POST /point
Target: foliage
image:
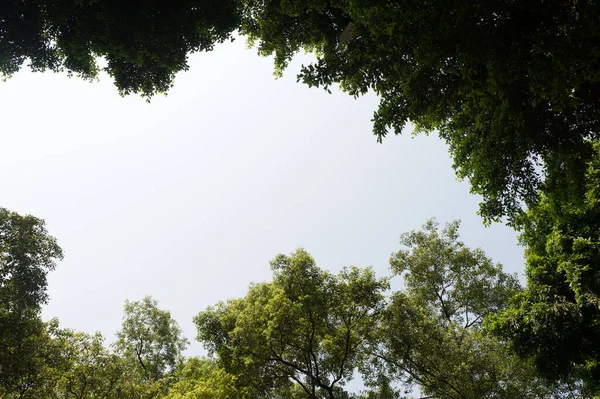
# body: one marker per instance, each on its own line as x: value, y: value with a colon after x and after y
x: 203, y: 379
x: 150, y: 339
x: 90, y: 370
x: 66, y: 364
x: 27, y: 253
x: 511, y: 86
x: 463, y: 284
x: 35, y: 360
x: 557, y: 319
x: 431, y: 334
x: 307, y: 327
x: 144, y: 43
x: 309, y: 332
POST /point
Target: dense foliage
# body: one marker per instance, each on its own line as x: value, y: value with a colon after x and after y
x: 431, y: 333
x: 308, y: 327
x: 308, y: 333
x: 512, y: 87
x: 557, y: 318
x: 514, y: 90
x: 143, y: 43
x: 27, y: 254
x: 507, y: 84
x: 150, y: 339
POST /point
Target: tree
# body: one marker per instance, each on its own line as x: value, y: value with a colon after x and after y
x: 150, y: 339
x: 431, y: 333
x: 512, y: 87
x: 557, y: 319
x: 89, y: 369
x: 203, y: 379
x: 27, y: 253
x: 306, y: 329
x: 66, y: 364
x: 35, y: 374
x: 144, y: 43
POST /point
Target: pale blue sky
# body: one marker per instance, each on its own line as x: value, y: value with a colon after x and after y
x: 189, y: 197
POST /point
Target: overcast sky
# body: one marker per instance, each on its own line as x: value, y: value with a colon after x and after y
x: 189, y: 197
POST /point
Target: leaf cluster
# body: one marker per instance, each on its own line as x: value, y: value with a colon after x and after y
x: 557, y: 319
x: 144, y: 43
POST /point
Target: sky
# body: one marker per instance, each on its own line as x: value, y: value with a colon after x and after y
x: 187, y: 198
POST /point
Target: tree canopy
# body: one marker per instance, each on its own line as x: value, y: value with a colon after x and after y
x: 557, y: 319
x: 88, y: 369
x: 203, y: 379
x: 27, y: 254
x: 150, y: 339
x: 312, y: 332
x: 512, y: 87
x: 514, y: 90
x: 143, y: 43
x: 309, y: 332
x: 431, y: 335
x: 308, y: 327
